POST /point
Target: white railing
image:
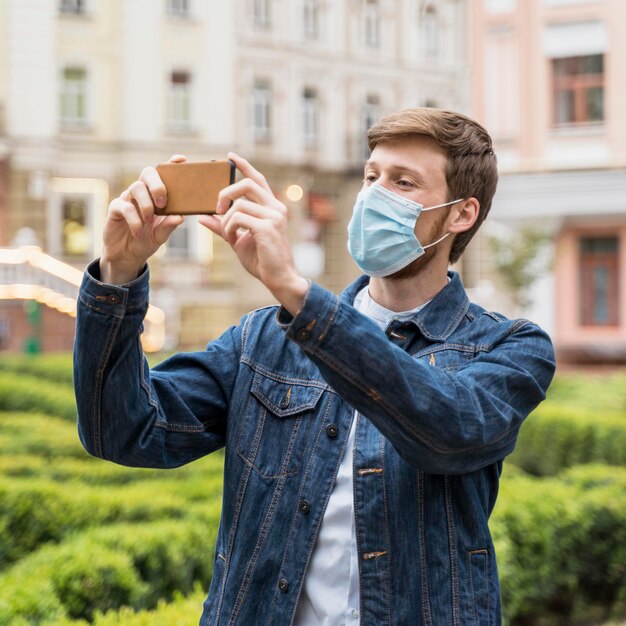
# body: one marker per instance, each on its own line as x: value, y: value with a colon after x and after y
x: 27, y: 273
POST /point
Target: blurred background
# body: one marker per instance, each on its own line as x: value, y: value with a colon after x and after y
x: 92, y: 91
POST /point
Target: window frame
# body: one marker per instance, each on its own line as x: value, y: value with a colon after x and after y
x: 74, y: 98
x: 310, y: 117
x: 261, y: 101
x: 180, y: 93
x: 73, y: 7
x: 178, y: 8
x: 311, y: 19
x: 262, y: 13
x: 579, y: 84
x: 589, y: 262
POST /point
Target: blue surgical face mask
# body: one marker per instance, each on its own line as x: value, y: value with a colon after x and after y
x: 381, y: 233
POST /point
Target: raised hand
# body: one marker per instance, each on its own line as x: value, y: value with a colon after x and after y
x: 254, y: 222
x: 132, y: 232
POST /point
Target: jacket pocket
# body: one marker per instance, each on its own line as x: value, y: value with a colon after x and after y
x: 479, y: 587
x: 278, y: 423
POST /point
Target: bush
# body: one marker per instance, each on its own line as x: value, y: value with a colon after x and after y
x: 562, y: 548
x: 556, y: 437
x: 56, y: 367
x: 105, y: 568
x: 33, y: 512
x: 39, y: 435
x: 30, y: 394
x: 600, y: 392
x: 183, y: 611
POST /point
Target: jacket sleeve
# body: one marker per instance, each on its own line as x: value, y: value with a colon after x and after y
x: 128, y: 414
x: 443, y: 422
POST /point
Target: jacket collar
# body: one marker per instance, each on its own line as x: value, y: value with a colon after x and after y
x: 443, y: 314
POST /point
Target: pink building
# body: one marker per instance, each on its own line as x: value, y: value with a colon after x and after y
x: 549, y: 82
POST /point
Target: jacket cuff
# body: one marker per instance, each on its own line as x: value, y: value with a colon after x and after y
x: 114, y: 300
x: 311, y: 324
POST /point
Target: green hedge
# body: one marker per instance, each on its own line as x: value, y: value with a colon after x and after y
x: 48, y: 438
x: 183, y: 611
x: 27, y: 393
x: 561, y: 547
x: 35, y: 511
x: 596, y: 393
x: 92, y: 471
x: 555, y: 437
x: 107, y: 568
x: 56, y: 367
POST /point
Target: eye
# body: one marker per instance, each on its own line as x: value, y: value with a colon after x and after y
x: 405, y: 184
x: 369, y: 178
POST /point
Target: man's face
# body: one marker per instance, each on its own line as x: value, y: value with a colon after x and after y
x: 415, y: 169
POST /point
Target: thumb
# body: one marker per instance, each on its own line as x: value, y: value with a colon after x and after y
x: 166, y: 227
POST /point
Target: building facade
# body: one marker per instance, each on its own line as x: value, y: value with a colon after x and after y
x: 92, y: 91
x: 547, y: 80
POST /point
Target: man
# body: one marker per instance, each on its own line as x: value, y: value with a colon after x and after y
x: 364, y: 434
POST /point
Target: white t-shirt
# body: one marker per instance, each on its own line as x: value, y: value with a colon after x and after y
x: 330, y: 594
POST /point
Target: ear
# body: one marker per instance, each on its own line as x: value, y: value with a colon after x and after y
x: 463, y: 215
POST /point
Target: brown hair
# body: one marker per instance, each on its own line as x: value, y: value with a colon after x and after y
x: 471, y: 170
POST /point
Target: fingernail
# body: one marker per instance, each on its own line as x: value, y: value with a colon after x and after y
x: 160, y: 201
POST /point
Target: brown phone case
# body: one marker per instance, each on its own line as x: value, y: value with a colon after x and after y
x: 193, y: 188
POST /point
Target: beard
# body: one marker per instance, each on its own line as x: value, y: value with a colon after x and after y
x: 421, y: 263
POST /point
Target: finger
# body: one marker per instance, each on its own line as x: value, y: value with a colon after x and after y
x: 139, y: 194
x: 151, y: 179
x: 123, y: 209
x: 248, y: 171
x: 249, y: 189
x: 166, y: 227
x: 242, y: 205
x: 241, y: 221
x: 213, y: 223
x: 177, y: 158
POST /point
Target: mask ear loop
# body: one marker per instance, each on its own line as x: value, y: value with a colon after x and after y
x: 434, y: 243
x: 438, y: 206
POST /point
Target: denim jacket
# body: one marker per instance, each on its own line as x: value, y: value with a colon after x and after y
x: 440, y: 398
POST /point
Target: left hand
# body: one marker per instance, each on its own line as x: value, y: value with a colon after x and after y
x: 255, y: 226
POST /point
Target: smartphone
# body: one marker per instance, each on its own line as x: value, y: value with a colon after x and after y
x: 193, y: 188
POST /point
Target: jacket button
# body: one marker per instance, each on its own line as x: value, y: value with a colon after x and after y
x: 303, y: 334
x: 304, y: 507
x: 283, y: 585
x: 332, y: 430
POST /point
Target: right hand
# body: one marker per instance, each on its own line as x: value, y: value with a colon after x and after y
x: 132, y: 232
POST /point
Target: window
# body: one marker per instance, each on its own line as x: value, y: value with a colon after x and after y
x: 75, y: 237
x: 599, y: 281
x: 261, y: 111
x: 429, y: 31
x: 578, y: 89
x: 178, y: 7
x: 310, y: 103
x: 311, y: 18
x: 261, y: 13
x: 370, y: 115
x: 76, y: 7
x: 179, y: 109
x: 372, y: 24
x: 74, y: 96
